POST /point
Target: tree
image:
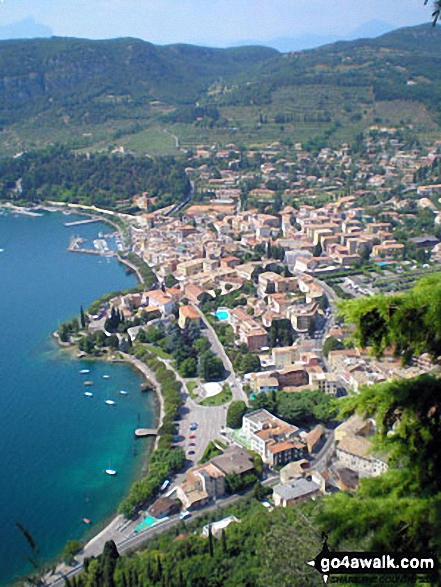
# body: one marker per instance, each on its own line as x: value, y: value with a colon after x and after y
x: 235, y: 413
x: 113, y: 342
x: 170, y: 280
x: 82, y: 318
x: 250, y: 363
x: 409, y: 323
x: 188, y: 368
x: 211, y: 368
x: 70, y: 550
x: 401, y: 509
x: 332, y: 344
x: 108, y: 563
x: 436, y: 10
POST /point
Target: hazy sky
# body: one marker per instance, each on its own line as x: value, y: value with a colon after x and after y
x: 211, y: 22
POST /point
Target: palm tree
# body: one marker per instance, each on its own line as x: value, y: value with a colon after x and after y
x: 436, y: 14
x: 40, y: 570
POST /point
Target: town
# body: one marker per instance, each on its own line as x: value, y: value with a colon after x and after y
x: 243, y: 313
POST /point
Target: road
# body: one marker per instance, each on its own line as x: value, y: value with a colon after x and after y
x: 126, y: 541
x: 320, y: 462
x: 233, y: 380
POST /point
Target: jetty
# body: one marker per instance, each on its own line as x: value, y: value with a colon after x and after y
x: 75, y: 247
x: 143, y: 432
x: 86, y: 221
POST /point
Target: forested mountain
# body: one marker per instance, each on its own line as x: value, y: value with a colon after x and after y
x: 93, y: 93
x: 97, y: 79
x: 98, y: 179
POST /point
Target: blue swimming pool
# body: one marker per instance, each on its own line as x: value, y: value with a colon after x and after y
x: 145, y: 524
x: 222, y: 314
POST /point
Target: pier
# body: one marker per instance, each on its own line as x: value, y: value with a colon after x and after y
x: 75, y: 247
x: 78, y: 222
x: 143, y: 432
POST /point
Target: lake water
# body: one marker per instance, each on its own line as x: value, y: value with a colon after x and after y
x: 55, y: 443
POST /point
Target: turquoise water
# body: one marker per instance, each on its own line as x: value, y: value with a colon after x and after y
x: 145, y: 524
x: 222, y: 315
x: 55, y: 443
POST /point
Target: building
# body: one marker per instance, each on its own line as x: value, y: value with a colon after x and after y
x: 354, y: 449
x: 217, y: 527
x: 253, y: 335
x: 234, y: 460
x: 276, y: 441
x: 313, y: 438
x: 188, y: 315
x: 295, y: 492
x: 201, y: 485
x: 282, y: 453
x: 347, y: 479
x: 164, y: 506
x: 161, y: 300
x: 294, y: 470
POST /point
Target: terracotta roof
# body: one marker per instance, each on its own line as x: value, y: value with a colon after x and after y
x: 189, y: 312
x: 280, y: 447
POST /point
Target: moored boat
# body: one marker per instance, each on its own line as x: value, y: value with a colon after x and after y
x: 110, y: 402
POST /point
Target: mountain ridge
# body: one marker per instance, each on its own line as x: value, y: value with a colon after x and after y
x: 129, y: 84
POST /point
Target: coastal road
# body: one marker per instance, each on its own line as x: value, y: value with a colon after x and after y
x: 126, y: 541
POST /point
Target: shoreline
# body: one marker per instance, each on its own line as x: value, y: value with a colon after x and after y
x: 115, y: 519
x: 112, y: 520
x: 151, y: 377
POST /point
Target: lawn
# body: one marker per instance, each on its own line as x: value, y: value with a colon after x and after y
x: 222, y: 397
x: 158, y: 352
x: 191, y: 386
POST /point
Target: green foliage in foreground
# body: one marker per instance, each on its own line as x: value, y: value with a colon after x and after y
x: 408, y: 322
x: 401, y: 509
x: 266, y: 549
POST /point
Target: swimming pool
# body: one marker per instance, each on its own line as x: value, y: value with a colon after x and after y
x: 222, y: 314
x: 145, y: 524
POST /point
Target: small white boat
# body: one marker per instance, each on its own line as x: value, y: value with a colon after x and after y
x: 88, y: 394
x: 105, y: 376
x: 2, y: 250
x: 111, y: 471
x: 124, y: 392
x: 84, y: 371
x: 110, y: 402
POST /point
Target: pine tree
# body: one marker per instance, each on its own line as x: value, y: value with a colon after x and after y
x: 224, y: 541
x: 210, y: 541
x: 82, y: 318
